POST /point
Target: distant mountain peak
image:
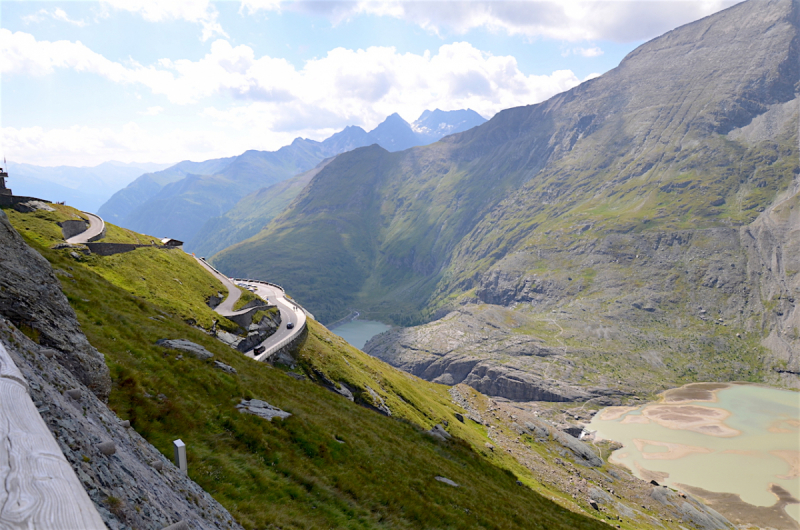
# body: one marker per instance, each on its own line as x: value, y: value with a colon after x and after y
x: 433, y: 125
x: 394, y: 118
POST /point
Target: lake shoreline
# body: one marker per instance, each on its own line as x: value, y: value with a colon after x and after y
x: 729, y: 444
x: 357, y: 332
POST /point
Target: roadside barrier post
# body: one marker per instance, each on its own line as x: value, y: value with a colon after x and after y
x: 180, y: 454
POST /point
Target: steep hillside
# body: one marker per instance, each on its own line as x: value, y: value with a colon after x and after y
x: 332, y: 463
x: 249, y: 215
x: 629, y: 226
x: 126, y: 200
x: 254, y: 211
x: 180, y: 207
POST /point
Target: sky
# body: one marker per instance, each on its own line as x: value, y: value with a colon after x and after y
x: 162, y: 81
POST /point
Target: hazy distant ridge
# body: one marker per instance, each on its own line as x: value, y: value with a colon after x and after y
x: 179, y: 200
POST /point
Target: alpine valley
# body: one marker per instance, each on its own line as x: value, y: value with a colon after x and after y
x: 636, y: 232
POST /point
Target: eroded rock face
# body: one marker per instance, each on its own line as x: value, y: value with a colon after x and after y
x: 477, y: 348
x: 527, y: 339
x: 772, y: 246
x: 30, y: 295
x: 691, y: 510
x: 110, y: 459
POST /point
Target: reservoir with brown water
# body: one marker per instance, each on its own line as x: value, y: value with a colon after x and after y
x: 737, y: 446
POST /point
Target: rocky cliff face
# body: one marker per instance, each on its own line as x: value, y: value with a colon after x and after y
x: 31, y: 299
x: 772, y: 246
x: 669, y: 300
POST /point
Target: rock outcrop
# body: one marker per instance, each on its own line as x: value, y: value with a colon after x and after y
x: 692, y: 511
x: 262, y: 409
x: 186, y: 346
x: 772, y: 246
x: 31, y: 299
x: 256, y: 332
x: 463, y: 348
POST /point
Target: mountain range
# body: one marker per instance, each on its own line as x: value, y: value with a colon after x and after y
x: 643, y: 222
x: 179, y: 200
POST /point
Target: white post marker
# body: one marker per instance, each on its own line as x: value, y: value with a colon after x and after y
x: 180, y: 454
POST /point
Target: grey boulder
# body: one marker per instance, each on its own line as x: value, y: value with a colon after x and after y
x: 438, y: 432
x: 186, y: 346
x: 262, y: 409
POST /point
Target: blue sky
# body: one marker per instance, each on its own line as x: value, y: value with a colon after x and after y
x: 169, y: 80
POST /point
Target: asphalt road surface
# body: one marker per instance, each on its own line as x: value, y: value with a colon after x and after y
x: 273, y: 295
x: 96, y: 227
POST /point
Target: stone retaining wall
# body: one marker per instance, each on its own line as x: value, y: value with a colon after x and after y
x: 245, y: 319
x: 11, y: 200
x: 286, y: 354
x: 109, y: 249
x: 73, y: 227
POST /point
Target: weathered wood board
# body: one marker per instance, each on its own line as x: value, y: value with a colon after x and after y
x: 38, y: 487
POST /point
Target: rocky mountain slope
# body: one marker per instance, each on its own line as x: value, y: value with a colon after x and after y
x: 633, y: 232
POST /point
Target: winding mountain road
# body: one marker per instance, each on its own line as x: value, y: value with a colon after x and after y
x: 95, y: 231
x: 289, y: 311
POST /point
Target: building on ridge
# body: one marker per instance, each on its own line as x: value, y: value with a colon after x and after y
x: 3, y: 189
x: 169, y: 242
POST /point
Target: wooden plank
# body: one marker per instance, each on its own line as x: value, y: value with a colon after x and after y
x: 38, y: 487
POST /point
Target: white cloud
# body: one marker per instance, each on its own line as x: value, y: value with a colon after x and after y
x: 55, y: 14
x: 594, y: 51
x: 21, y: 53
x: 570, y: 20
x: 82, y: 146
x: 196, y: 11
x: 364, y: 86
x: 266, y: 101
x: 344, y: 87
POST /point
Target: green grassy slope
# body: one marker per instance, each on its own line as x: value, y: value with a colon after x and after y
x: 183, y: 206
x: 333, y: 463
x: 249, y: 215
x: 369, y: 225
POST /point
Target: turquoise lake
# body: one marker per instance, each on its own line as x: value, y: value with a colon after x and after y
x: 358, y: 332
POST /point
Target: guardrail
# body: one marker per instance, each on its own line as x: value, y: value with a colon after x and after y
x: 102, y: 233
x: 258, y: 281
x: 210, y: 266
x: 303, y: 309
x: 300, y: 326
